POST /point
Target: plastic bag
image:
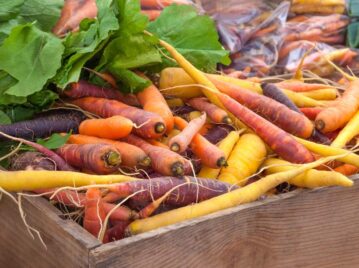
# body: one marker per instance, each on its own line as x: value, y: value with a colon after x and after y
x: 260, y: 53
x: 318, y: 6
x: 237, y: 20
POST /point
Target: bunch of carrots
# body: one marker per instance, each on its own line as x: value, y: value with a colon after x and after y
x: 189, y: 145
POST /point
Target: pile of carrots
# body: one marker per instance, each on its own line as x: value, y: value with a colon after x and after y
x: 188, y: 145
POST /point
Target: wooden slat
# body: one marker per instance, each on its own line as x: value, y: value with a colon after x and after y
x: 317, y: 228
x: 67, y: 243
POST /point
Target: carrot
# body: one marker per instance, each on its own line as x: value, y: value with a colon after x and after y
x: 271, y: 91
x: 163, y: 161
x: 246, y: 157
x: 324, y: 150
x: 159, y: 4
x: 209, y: 154
x: 116, y: 232
x: 273, y: 111
x: 73, y: 12
x: 152, y: 101
x: 131, y: 156
x: 347, y: 169
x: 180, y: 142
x: 175, y: 102
x: 121, y: 213
x: 157, y: 143
x: 94, y: 215
x: 216, y: 114
x: 16, y: 181
x: 341, y: 112
x: 45, y: 124
x: 310, y: 8
x: 166, y: 139
x: 226, y: 145
x: 350, y: 130
x: 311, y: 178
x: 322, y: 94
x: 183, y: 191
x: 239, y: 196
x: 277, y: 139
x: 114, y: 127
x: 83, y: 88
x: 149, y: 125
x: 299, y: 86
x: 152, y: 14
x: 311, y: 112
x: 68, y: 198
x: 32, y: 161
x: 218, y: 132
x: 98, y: 158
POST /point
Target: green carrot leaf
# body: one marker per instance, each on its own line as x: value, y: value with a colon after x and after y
x: 54, y: 141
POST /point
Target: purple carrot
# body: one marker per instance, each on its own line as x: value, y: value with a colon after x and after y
x: 85, y: 89
x: 44, y: 124
x: 218, y: 133
x: 31, y: 160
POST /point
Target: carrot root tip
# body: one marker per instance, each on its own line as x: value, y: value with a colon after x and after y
x: 227, y: 120
x: 221, y: 162
x: 175, y: 147
x: 319, y: 124
x: 112, y: 159
x: 177, y: 169
x: 160, y: 128
x: 145, y: 162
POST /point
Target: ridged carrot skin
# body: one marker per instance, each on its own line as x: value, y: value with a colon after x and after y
x: 114, y: 127
x: 94, y: 211
x: 275, y: 112
x: 148, y: 125
x: 277, y: 139
x: 98, y: 158
x: 193, y: 190
x: 131, y: 156
x: 153, y: 101
x: 344, y: 108
x: 83, y: 88
x: 163, y: 161
x: 210, y: 155
x: 215, y: 113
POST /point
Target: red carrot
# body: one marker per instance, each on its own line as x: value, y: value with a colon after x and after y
x: 163, y: 161
x: 277, y: 139
x: 98, y: 158
x: 131, y: 156
x: 210, y: 154
x: 311, y: 112
x: 192, y: 189
x: 116, y: 232
x: 159, y: 4
x: 65, y: 197
x: 215, y: 113
x: 83, y: 88
x: 94, y: 212
x: 153, y: 101
x: 275, y: 112
x: 73, y: 12
x: 149, y: 125
x: 180, y: 142
x: 121, y: 213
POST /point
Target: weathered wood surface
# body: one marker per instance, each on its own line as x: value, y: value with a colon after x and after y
x: 316, y: 228
x: 67, y: 243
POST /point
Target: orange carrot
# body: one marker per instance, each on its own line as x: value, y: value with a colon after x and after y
x: 98, y: 158
x: 131, y: 156
x: 279, y: 141
x: 114, y: 127
x: 180, y: 142
x: 163, y: 161
x: 347, y: 169
x: 73, y: 12
x: 157, y: 143
x: 94, y: 211
x: 275, y: 112
x: 344, y: 108
x: 210, y: 155
x: 215, y: 113
x: 311, y: 112
x: 157, y: 4
x: 149, y: 125
x: 152, y: 14
x: 153, y: 101
x: 299, y: 86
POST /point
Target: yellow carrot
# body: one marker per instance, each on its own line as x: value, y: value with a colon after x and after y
x: 309, y: 179
x: 244, y: 160
x: 348, y: 132
x: 28, y: 180
x: 324, y: 150
x: 175, y: 102
x: 239, y: 196
x: 226, y: 145
x: 321, y: 94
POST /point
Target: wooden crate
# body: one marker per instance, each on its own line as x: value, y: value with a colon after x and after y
x: 304, y: 228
